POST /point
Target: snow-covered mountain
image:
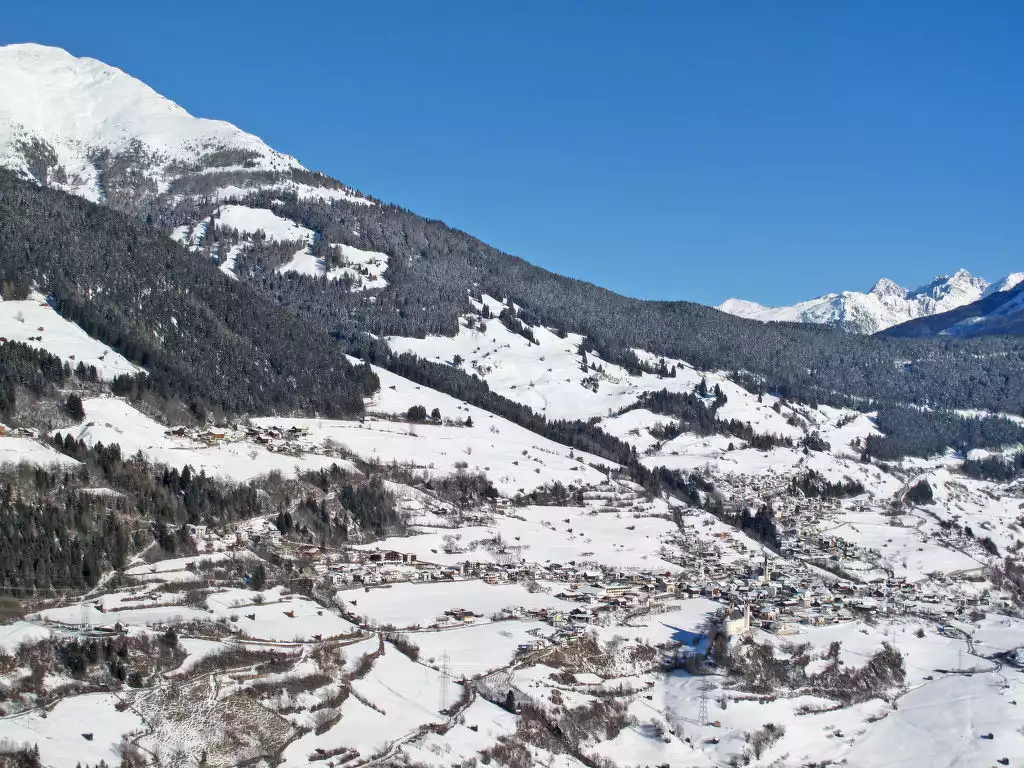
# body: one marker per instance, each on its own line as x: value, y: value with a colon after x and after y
x: 885, y: 305
x: 996, y: 313
x: 88, y: 128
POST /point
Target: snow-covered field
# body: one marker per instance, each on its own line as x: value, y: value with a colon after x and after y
x: 18, y: 450
x: 512, y: 457
x: 250, y: 220
x: 404, y: 696
x: 34, y: 322
x: 478, y: 649
x: 273, y: 616
x: 409, y: 604
x: 111, y: 420
x: 59, y: 733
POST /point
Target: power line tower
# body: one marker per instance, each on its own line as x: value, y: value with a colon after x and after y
x: 446, y: 676
x: 85, y: 624
x: 702, y: 713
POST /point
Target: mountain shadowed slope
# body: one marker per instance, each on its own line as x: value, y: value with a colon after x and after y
x: 995, y: 313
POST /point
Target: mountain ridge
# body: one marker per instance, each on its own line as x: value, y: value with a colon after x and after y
x: 887, y: 304
x: 85, y: 127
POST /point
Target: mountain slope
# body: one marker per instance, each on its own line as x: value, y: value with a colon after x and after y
x: 208, y: 342
x: 885, y: 305
x: 81, y: 107
x: 88, y: 128
x: 432, y: 271
x: 995, y: 313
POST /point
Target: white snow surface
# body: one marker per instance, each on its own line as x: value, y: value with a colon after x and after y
x: 249, y: 220
x: 58, y: 733
x: 112, y: 420
x: 18, y: 450
x: 409, y: 604
x: 13, y: 636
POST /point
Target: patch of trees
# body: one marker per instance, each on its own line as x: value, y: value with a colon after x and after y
x: 364, y: 501
x: 25, y: 367
x: 917, y: 432
x: 555, y: 494
x: 508, y: 318
x: 56, y: 537
x: 41, y: 160
x: 694, y: 414
x: 920, y: 493
x: 463, y: 489
x: 763, y: 671
x: 688, y: 408
x: 416, y: 413
x: 74, y: 407
x: 997, y: 467
x: 760, y: 526
x: 1009, y: 575
x: 404, y: 644
x: 165, y: 496
x: 813, y: 485
x: 815, y: 442
x: 24, y: 757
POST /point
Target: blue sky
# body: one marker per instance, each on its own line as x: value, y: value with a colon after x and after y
x: 694, y: 150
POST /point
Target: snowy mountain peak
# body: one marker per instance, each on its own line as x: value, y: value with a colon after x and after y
x: 888, y: 288
x: 58, y: 113
x: 885, y: 305
x: 1007, y: 283
x: 960, y: 283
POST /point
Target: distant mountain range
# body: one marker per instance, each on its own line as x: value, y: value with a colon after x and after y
x: 886, y: 305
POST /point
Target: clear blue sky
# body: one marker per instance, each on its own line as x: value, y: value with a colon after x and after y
x: 696, y: 150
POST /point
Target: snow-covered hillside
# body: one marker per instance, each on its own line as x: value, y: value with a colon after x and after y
x: 74, y: 123
x: 34, y: 322
x: 80, y: 105
x: 885, y: 305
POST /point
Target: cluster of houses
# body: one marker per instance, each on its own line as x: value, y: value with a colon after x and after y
x: 273, y: 438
